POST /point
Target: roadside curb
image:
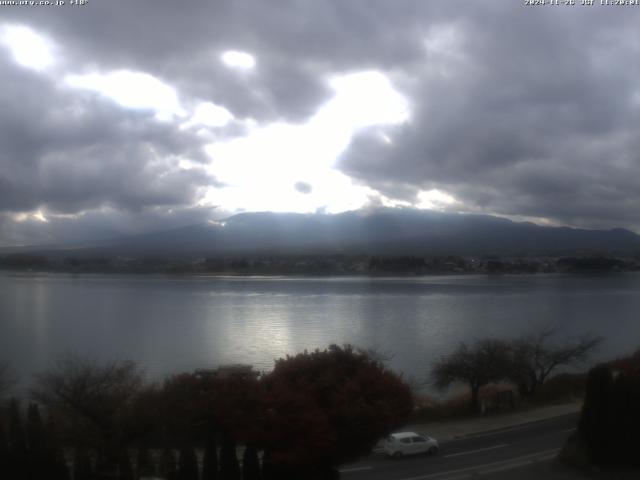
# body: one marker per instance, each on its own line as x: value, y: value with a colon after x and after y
x: 462, y: 429
x: 506, y: 428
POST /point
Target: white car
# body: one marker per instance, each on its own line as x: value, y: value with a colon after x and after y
x: 399, y: 444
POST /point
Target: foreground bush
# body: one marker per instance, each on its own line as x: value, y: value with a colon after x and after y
x: 610, y: 418
x: 328, y: 407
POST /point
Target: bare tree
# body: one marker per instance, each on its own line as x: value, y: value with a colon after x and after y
x: 377, y: 353
x: 92, y: 397
x: 536, y: 356
x: 477, y: 365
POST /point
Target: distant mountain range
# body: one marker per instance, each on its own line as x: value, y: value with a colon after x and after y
x: 377, y: 232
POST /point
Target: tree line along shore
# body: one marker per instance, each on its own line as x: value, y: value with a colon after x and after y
x: 292, y: 264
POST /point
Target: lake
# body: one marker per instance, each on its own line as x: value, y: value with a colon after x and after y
x: 172, y: 324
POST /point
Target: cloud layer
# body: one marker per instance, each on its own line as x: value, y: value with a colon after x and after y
x: 125, y: 116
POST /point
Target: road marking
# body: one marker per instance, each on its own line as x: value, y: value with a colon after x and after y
x: 517, y: 464
x: 506, y: 464
x: 568, y: 430
x: 354, y: 469
x: 488, y: 434
x: 475, y: 451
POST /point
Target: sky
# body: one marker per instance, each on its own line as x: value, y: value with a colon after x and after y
x: 120, y: 117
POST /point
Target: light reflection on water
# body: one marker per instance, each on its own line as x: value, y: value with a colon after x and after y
x: 169, y: 324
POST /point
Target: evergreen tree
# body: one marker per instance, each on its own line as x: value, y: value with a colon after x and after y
x: 625, y: 419
x: 125, y: 470
x: 633, y: 417
x: 188, y: 464
x: 594, y: 424
x: 610, y: 418
x: 36, y: 439
x: 268, y: 468
x: 18, y: 461
x: 59, y: 470
x: 168, y: 469
x: 106, y: 466
x: 4, y: 448
x: 56, y: 463
x: 229, y: 466
x: 17, y: 440
x: 144, y: 463
x: 35, y: 431
x: 82, y: 468
x: 250, y: 464
x: 210, y: 460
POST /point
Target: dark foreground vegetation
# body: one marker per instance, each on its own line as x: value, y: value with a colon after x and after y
x: 315, y: 264
x: 607, y: 434
x: 312, y: 412
x: 525, y: 363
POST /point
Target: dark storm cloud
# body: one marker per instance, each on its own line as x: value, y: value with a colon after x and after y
x: 69, y: 151
x: 295, y: 43
x: 535, y: 115
x: 514, y: 110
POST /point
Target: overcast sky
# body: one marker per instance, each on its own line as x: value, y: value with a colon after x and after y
x: 119, y: 117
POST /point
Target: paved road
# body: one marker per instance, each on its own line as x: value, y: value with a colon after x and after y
x: 480, y: 454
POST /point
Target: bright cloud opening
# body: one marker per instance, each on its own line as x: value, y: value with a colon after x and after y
x: 132, y: 90
x: 391, y: 202
x: 331, y: 191
x: 365, y: 99
x: 29, y: 49
x: 210, y: 115
x: 435, y: 199
x: 262, y: 169
x: 36, y: 215
x: 239, y: 60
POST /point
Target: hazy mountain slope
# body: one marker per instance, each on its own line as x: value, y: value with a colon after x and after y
x: 384, y: 231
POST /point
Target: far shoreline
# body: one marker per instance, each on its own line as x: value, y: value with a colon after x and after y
x: 334, y: 275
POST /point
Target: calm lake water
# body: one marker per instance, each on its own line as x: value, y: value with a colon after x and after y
x: 171, y: 324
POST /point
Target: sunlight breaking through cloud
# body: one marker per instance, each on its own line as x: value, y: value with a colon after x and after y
x: 133, y: 90
x: 37, y: 215
x: 262, y: 169
x: 239, y: 60
x: 28, y: 48
x: 364, y: 99
x: 435, y: 199
x: 210, y: 115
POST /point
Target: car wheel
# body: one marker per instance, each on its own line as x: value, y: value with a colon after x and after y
x: 433, y: 450
x: 397, y: 455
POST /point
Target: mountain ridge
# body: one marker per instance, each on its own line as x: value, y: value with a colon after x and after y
x: 383, y: 231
